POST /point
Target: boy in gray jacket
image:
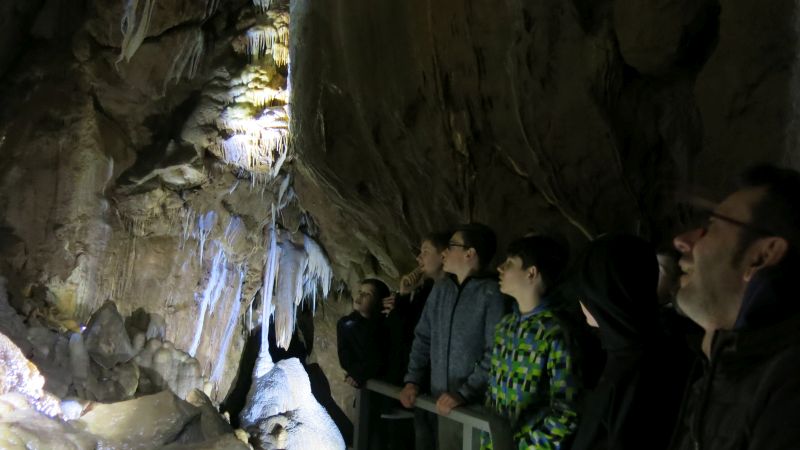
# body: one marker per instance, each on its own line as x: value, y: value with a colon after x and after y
x: 454, y: 335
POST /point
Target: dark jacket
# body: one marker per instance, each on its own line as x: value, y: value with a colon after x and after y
x: 749, y: 395
x: 358, y: 341
x: 401, y: 323
x: 454, y: 336
x: 636, y: 402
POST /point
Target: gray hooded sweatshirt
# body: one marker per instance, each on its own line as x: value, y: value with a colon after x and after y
x: 454, y: 336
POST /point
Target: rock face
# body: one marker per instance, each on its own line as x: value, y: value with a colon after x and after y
x: 106, y: 340
x: 31, y: 417
x: 145, y: 422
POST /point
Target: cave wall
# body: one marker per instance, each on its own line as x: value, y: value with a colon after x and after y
x: 582, y: 117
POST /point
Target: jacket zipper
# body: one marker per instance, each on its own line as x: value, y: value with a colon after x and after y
x: 695, y: 424
x: 450, y: 336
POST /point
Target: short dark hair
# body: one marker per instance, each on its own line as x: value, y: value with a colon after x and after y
x: 381, y: 290
x: 778, y: 211
x: 548, y: 254
x: 439, y: 239
x: 481, y: 238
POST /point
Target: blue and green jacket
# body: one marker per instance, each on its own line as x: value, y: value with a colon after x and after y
x: 532, y: 380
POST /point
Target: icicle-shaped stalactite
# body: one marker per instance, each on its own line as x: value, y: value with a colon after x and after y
x: 187, y: 224
x: 205, y: 224
x: 267, y: 40
x: 186, y: 63
x: 263, y: 5
x: 318, y: 272
x: 235, y: 232
x: 217, y: 281
x: 233, y: 319
x: 289, y: 291
x: 260, y: 39
x: 262, y: 97
x: 134, y: 25
x: 270, y: 273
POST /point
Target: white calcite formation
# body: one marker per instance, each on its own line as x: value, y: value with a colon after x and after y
x: 281, y: 411
x: 19, y: 375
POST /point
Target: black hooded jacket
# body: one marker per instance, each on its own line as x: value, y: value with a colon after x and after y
x: 749, y: 395
x: 636, y: 402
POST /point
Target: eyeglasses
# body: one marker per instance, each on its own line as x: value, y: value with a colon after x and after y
x: 456, y: 244
x: 709, y: 214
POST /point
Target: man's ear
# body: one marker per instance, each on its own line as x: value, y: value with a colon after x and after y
x: 532, y: 272
x: 768, y: 252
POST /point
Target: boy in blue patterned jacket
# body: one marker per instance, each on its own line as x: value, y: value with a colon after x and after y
x: 532, y: 379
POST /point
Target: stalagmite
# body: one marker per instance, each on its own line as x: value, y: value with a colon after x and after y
x: 281, y: 411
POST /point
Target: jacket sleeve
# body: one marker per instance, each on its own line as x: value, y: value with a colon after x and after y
x: 549, y: 430
x: 420, y: 358
x: 474, y: 388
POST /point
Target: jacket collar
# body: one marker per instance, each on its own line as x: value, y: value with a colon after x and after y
x: 757, y: 342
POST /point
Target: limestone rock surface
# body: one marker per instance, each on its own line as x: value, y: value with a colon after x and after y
x: 142, y: 423
x: 106, y: 339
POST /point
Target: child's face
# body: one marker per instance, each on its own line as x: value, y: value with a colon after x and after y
x: 513, y: 278
x: 429, y: 259
x: 364, y: 301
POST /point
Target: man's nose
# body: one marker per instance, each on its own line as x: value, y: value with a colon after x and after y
x: 685, y: 241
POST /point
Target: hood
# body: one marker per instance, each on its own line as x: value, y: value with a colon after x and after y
x: 617, y: 276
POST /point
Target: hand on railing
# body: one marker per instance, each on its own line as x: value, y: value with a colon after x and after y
x: 408, y: 396
x: 349, y: 380
x: 448, y: 401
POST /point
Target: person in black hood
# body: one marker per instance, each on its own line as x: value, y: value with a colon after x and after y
x: 636, y: 401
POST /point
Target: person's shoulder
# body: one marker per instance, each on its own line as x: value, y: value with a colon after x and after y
x: 487, y: 284
x: 348, y: 321
x: 548, y: 322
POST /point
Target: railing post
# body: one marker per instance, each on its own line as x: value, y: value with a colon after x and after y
x: 466, y: 438
x: 361, y: 431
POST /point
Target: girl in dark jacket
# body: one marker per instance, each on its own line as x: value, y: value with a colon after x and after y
x: 637, y: 399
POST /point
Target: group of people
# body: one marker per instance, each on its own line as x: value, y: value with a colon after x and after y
x: 596, y: 350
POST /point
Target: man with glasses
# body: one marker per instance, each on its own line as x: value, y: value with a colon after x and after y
x: 739, y: 283
x: 454, y: 335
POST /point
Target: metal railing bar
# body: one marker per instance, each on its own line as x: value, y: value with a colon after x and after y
x: 472, y: 416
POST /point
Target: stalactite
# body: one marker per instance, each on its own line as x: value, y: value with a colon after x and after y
x: 289, y: 291
x: 217, y: 281
x: 233, y: 319
x: 188, y: 216
x: 318, y: 272
x: 262, y: 5
x: 204, y: 226
x: 134, y: 26
x: 260, y: 40
x: 270, y: 273
x: 186, y: 63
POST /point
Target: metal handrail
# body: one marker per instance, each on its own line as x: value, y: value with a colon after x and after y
x: 471, y: 416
